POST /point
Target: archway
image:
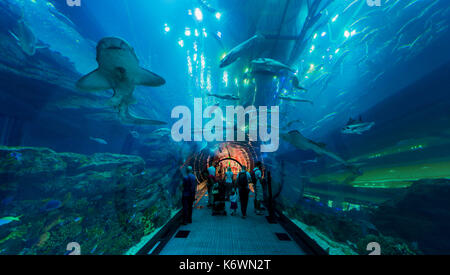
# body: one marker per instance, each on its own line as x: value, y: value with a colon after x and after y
x: 223, y: 155
x: 223, y: 164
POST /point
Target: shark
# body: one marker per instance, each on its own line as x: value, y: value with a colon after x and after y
x: 240, y: 50
x: 271, y: 65
x: 357, y: 126
x: 25, y: 38
x: 296, y: 83
x: 162, y: 132
x: 299, y: 141
x: 225, y: 97
x: 294, y: 99
x: 119, y: 70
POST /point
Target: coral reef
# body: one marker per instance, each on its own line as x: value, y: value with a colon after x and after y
x: 339, y: 234
x: 105, y: 202
x: 421, y: 216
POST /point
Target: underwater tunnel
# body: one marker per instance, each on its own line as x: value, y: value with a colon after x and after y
x: 91, y: 97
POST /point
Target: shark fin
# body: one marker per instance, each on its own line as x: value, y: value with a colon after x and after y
x: 147, y: 78
x: 94, y: 81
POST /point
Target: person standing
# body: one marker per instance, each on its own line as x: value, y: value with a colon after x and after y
x: 211, y: 181
x: 229, y: 181
x: 219, y: 199
x: 243, y: 179
x: 233, y: 199
x: 189, y: 192
x: 259, y: 193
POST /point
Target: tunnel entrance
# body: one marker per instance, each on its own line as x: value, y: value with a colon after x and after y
x: 224, y: 155
x: 222, y: 166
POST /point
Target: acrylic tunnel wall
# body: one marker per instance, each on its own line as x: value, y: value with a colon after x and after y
x: 398, y: 195
x: 364, y: 150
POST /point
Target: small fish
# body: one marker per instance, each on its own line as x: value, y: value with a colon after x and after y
x: 294, y: 99
x: 162, y: 132
x: 7, y: 220
x: 349, y: 6
x: 327, y: 117
x: 225, y: 97
x: 132, y: 218
x: 411, y: 3
x: 93, y: 249
x: 52, y: 205
x: 16, y: 155
x: 357, y: 127
x: 99, y: 140
x: 342, y: 93
x: 316, y: 160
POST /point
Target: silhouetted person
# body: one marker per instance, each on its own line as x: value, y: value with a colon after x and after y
x: 234, y: 198
x: 257, y: 183
x: 242, y: 180
x: 219, y: 199
x: 211, y: 181
x: 228, y: 182
x: 189, y: 191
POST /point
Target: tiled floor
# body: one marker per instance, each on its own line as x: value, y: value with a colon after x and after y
x: 230, y: 235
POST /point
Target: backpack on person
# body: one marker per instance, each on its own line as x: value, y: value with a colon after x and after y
x: 253, y: 175
x: 242, y: 180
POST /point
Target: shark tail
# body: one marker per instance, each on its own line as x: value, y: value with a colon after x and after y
x: 127, y: 117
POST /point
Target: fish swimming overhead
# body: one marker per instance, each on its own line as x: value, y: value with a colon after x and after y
x: 240, y: 49
x: 7, y: 220
x: 118, y: 69
x: 294, y: 99
x: 271, y: 65
x: 99, y: 140
x: 207, y: 6
x: 299, y: 141
x: 25, y: 38
x: 291, y: 123
x: 225, y: 97
x: 162, y: 132
x: 357, y: 127
x: 296, y: 83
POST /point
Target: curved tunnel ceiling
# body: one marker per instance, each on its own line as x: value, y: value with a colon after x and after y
x: 223, y: 155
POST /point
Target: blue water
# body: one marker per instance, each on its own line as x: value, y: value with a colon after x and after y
x: 69, y: 164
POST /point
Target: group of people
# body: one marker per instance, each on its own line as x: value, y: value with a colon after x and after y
x: 229, y: 188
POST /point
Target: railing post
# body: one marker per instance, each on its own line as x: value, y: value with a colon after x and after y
x: 271, y: 218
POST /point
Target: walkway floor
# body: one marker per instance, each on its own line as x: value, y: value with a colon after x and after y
x: 230, y: 235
